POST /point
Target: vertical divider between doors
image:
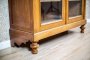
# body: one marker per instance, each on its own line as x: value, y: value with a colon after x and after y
x: 83, y: 8
x: 66, y: 11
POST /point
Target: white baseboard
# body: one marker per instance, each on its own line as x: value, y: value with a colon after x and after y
x: 88, y: 20
x: 5, y: 44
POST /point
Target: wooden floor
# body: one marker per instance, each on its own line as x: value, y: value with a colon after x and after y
x: 71, y: 46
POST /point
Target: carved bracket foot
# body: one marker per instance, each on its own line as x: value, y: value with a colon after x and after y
x: 82, y: 28
x: 34, y: 47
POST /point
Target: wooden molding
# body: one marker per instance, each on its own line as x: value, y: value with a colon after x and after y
x: 53, y: 31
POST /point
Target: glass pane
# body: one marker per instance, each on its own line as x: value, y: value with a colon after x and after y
x: 75, y: 8
x: 51, y: 10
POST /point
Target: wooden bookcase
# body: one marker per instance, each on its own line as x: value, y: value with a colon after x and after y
x: 34, y: 20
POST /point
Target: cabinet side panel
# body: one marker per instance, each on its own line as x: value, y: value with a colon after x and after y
x: 21, y: 21
x: 20, y: 15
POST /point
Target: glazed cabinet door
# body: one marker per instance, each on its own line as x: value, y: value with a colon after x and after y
x: 52, y: 13
x: 48, y: 14
x: 75, y: 10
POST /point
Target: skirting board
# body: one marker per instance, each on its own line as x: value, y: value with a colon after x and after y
x: 88, y: 20
x: 5, y: 44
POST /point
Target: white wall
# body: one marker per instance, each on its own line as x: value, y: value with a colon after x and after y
x: 88, y: 9
x: 4, y: 25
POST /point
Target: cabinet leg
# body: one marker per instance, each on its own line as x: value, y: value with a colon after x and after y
x: 34, y: 46
x: 82, y: 28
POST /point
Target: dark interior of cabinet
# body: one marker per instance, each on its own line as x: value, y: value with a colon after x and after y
x: 52, y: 10
x: 75, y: 8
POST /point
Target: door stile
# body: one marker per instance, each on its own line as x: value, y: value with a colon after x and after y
x: 36, y: 15
x: 66, y: 11
x: 84, y: 8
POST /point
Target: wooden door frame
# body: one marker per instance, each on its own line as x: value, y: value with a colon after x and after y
x: 60, y: 22
x: 76, y: 18
x: 38, y: 26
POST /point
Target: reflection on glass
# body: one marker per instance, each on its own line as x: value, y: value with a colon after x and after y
x: 75, y: 8
x: 51, y: 10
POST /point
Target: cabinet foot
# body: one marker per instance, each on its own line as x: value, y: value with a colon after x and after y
x: 82, y: 28
x: 34, y: 46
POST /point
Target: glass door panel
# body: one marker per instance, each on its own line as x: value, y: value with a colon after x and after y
x: 51, y: 10
x: 75, y: 8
